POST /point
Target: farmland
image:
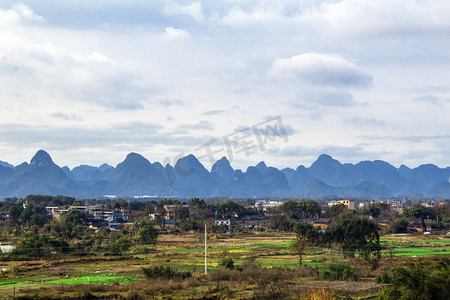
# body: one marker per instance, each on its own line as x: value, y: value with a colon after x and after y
x: 121, y: 276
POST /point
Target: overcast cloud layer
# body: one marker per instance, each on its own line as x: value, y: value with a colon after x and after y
x: 90, y: 81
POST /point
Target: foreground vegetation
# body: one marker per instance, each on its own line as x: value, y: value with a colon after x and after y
x: 263, y: 267
x: 351, y: 258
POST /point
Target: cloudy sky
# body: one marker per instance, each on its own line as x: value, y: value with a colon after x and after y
x: 91, y: 81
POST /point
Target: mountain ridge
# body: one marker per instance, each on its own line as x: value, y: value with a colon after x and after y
x: 137, y: 176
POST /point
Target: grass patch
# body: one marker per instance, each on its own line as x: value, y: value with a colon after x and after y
x: 419, y: 251
x: 13, y: 281
x: 94, y: 279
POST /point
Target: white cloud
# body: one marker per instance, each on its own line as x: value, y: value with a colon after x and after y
x: 18, y: 14
x: 311, y: 99
x: 193, y: 10
x: 65, y: 116
x: 172, y: 33
x: 26, y: 13
x: 170, y: 102
x: 363, y: 122
x: 429, y: 99
x: 380, y: 16
x: 237, y: 17
x: 96, y: 60
x: 39, y: 66
x: 321, y: 69
x: 344, y: 17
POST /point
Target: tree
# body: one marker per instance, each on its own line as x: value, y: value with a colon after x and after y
x: 14, y: 212
x: 70, y: 225
x: 162, y: 213
x: 230, y: 209
x: 180, y: 213
x: 147, y: 234
x: 78, y: 203
x: 61, y: 201
x: 379, y: 209
x: 399, y: 226
x: 198, y: 209
x: 305, y: 233
x: 290, y: 209
x: 339, y: 212
x: 420, y: 211
x: 120, y: 245
x: 358, y: 235
x: 309, y: 209
x: 277, y: 218
x: 34, y: 214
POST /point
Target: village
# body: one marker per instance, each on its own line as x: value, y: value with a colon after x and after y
x: 262, y: 215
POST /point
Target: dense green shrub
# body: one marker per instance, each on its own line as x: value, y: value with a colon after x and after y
x: 147, y: 234
x: 425, y: 280
x: 165, y: 272
x: 227, y: 263
x: 340, y: 272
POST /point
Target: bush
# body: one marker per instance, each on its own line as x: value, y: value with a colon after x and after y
x: 427, y: 280
x: 141, y: 249
x: 340, y: 272
x: 147, y: 234
x: 165, y: 272
x: 383, y: 278
x: 33, y: 245
x: 270, y: 287
x: 227, y: 263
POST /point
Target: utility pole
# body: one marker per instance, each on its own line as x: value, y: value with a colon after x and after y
x: 206, y: 251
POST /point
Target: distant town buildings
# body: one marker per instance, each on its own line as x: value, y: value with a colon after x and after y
x: 350, y: 204
x: 265, y: 204
x: 255, y: 223
x: 97, y: 217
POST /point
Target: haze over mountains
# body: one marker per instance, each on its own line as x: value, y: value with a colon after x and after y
x: 136, y: 176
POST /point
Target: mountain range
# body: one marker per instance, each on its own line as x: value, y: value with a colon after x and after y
x: 136, y: 176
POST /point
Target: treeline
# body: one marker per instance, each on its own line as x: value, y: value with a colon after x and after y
x: 190, y: 215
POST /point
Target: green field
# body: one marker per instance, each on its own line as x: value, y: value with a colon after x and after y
x: 415, y: 245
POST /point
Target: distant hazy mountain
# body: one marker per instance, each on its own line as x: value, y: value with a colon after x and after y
x: 223, y: 169
x: 331, y: 171
x: 380, y: 172
x: 192, y: 179
x: 298, y: 179
x: 319, y: 189
x: 136, y: 176
x: 6, y: 165
x: 258, y: 181
x: 41, y: 176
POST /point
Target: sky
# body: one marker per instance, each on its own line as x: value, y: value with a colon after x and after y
x: 91, y: 81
